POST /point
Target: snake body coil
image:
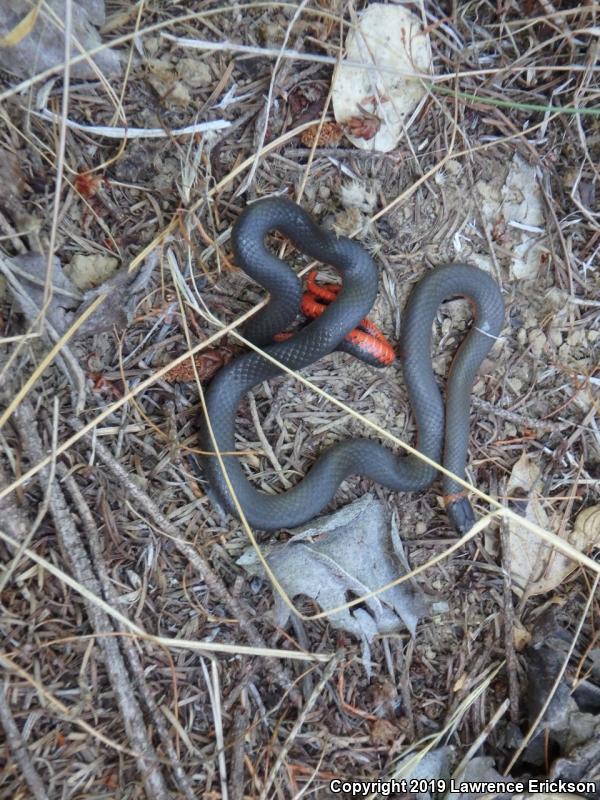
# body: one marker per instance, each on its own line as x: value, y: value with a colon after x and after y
x: 445, y: 443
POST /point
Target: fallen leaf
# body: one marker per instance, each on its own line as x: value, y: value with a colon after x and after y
x: 30, y: 43
x: 534, y: 565
x: 587, y: 526
x: 373, y: 104
x: 513, y: 212
x: 341, y: 557
x: 26, y: 277
x: 21, y: 29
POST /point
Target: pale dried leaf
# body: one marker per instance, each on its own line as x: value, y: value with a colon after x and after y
x: 390, y: 38
x: 341, y: 557
x: 535, y: 566
x: 587, y: 527
x: 27, y: 274
x: 36, y: 41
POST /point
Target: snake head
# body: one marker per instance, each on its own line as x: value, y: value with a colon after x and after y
x: 460, y: 513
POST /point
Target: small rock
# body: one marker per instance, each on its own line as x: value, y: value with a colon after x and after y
x: 383, y: 733
x: 516, y: 384
x: 270, y: 33
x: 358, y: 195
x: 89, y: 271
x: 179, y: 95
x: 555, y: 336
x: 152, y: 45
x: 537, y: 342
x: 556, y: 298
x: 576, y: 337
x: 482, y: 261
x: 453, y: 167
x: 194, y: 72
x: 346, y: 222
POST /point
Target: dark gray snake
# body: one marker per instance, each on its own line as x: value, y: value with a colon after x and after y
x: 446, y: 444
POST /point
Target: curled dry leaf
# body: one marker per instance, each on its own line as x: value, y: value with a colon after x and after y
x: 27, y: 277
x: 341, y: 557
x: 31, y: 42
x: 373, y: 102
x: 587, y: 525
x: 535, y: 566
x: 208, y: 363
x: 364, y: 127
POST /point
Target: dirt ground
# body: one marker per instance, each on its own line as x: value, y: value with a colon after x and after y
x: 139, y: 658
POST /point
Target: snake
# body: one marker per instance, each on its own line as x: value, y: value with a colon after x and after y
x: 443, y: 428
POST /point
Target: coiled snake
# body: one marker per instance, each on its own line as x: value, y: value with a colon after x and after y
x: 443, y: 430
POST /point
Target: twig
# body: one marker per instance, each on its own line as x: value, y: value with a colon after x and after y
x: 195, y: 558
x: 115, y: 132
x: 127, y: 645
x: 42, y: 510
x: 499, y: 713
x: 509, y: 623
x: 214, y: 692
x: 17, y: 748
x: 267, y: 107
x: 327, y: 673
x: 241, y: 719
x: 133, y: 719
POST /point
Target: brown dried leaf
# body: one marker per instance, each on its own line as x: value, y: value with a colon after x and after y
x: 208, y: 363
x: 363, y: 127
x: 330, y: 135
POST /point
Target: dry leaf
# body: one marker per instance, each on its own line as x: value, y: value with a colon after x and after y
x: 514, y: 214
x: 587, y: 527
x: 32, y: 42
x: 341, y: 557
x: 534, y: 564
x: 373, y: 104
x: 21, y: 29
x: 27, y: 274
